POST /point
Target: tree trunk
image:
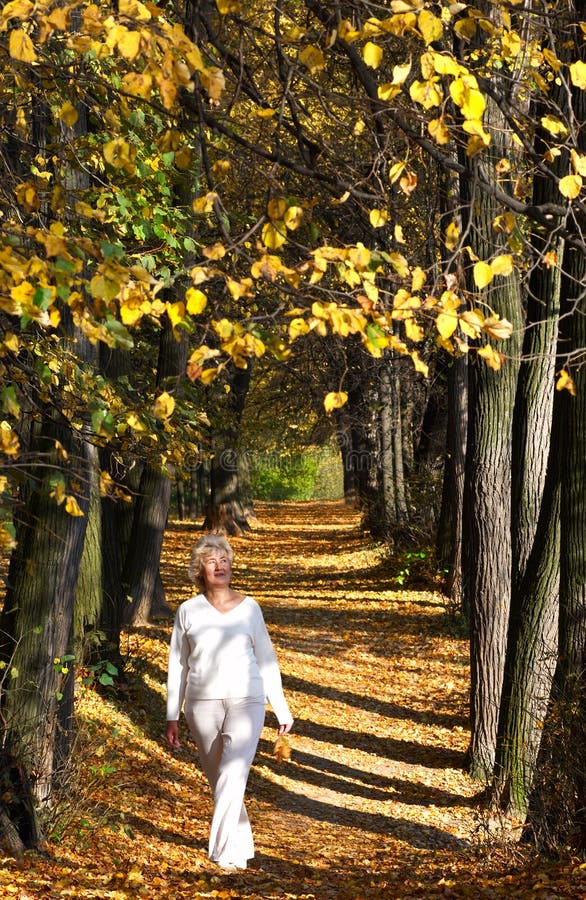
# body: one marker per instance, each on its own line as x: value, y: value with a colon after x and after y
x: 230, y: 511
x: 532, y: 639
x: 181, y: 505
x: 344, y: 440
x: 140, y: 577
x: 558, y: 816
x: 88, y: 596
x: 37, y: 619
x: 487, y: 560
x: 449, y: 536
x: 392, y: 471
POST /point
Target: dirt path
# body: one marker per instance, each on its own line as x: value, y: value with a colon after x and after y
x: 373, y: 802
x: 374, y: 795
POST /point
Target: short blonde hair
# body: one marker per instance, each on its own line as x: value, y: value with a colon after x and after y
x: 203, y: 548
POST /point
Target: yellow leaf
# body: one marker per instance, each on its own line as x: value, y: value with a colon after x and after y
x: 26, y: 194
x: 511, y: 44
x: 388, y: 91
x: 196, y: 301
x: 565, y: 382
x: 276, y: 208
x: 335, y: 400
x: 282, y: 748
x: 439, y: 130
x: 395, y: 171
x: 465, y: 28
x: 208, y: 375
x: 550, y: 259
x: 372, y: 54
x: 554, y: 125
x: 129, y: 45
x: 408, y: 182
x: 398, y: 232
x: 224, y: 329
x: 413, y: 330
x: 273, y: 237
x: 483, y: 274
x: 135, y: 422
x: 444, y: 64
x: 313, y: 59
x: 570, y: 186
x: 471, y: 322
x: 492, y: 357
x: 17, y: 9
x: 399, y: 264
x: 578, y: 74
x: 228, y: 6
x: 68, y: 114
x: 164, y: 406
x: 378, y: 217
x: 465, y: 94
x: 119, y: 154
x: 446, y: 323
x: 242, y: 288
x: 21, y: 47
x: 72, y: 506
x: 214, y: 82
x: 134, y: 9
x: 183, y: 158
x: 427, y: 93
x: 293, y: 217
x: 502, y: 265
x: 11, y: 341
x: 475, y: 128
x: 176, y: 312
x: 216, y: 251
x: 420, y: 366
x: 418, y: 279
x: 297, y: 327
x: 452, y: 236
x: 430, y: 26
x: 497, y: 328
x: 578, y: 163
x: 401, y: 72
x: 7, y: 541
x: 9, y: 442
x: 130, y: 313
x: 204, y: 204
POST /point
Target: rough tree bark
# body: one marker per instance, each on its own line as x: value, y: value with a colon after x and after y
x: 487, y: 557
x: 229, y: 510
x: 140, y: 584
x: 449, y: 534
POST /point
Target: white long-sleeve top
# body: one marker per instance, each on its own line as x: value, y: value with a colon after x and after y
x: 214, y: 655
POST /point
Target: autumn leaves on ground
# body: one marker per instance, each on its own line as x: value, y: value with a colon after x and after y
x: 373, y: 802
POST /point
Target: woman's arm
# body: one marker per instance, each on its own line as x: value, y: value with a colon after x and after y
x: 177, y: 668
x: 173, y: 733
x: 269, y: 670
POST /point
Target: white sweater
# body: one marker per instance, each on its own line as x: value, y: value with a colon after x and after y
x: 215, y: 655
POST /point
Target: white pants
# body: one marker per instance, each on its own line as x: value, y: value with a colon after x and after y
x: 226, y: 733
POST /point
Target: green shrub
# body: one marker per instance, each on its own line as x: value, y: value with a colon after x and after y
x: 312, y: 475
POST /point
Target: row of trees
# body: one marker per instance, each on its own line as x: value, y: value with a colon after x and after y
x: 380, y: 201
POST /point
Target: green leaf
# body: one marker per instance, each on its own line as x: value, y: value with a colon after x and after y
x: 120, y: 334
x: 10, y: 404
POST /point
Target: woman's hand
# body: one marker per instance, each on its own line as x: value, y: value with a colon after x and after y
x: 285, y: 729
x: 172, y: 734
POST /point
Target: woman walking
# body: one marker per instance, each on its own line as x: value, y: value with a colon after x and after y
x: 222, y: 669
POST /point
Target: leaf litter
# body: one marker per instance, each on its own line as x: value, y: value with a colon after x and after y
x: 367, y: 798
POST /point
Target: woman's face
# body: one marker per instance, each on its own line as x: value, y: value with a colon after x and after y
x: 216, y: 569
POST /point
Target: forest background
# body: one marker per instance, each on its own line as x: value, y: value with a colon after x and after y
x: 232, y: 228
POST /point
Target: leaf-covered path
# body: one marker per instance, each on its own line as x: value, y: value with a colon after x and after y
x: 373, y: 802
